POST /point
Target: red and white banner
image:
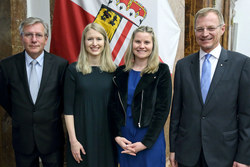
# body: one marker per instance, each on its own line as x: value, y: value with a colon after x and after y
x: 119, y: 18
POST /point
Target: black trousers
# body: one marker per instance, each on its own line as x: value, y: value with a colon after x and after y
x: 54, y: 159
x: 201, y: 162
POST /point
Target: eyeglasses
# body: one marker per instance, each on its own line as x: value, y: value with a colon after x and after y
x: 31, y: 35
x: 210, y: 28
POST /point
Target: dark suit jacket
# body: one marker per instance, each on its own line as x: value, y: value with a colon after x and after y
x: 221, y: 126
x: 38, y: 124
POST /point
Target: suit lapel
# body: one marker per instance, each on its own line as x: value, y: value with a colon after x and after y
x: 195, y: 72
x: 47, y: 65
x: 21, y: 66
x: 220, y: 68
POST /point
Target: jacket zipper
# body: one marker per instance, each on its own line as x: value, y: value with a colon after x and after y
x: 121, y: 102
x: 139, y: 123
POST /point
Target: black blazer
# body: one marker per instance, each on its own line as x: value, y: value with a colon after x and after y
x: 36, y: 124
x: 221, y: 126
x: 151, y: 102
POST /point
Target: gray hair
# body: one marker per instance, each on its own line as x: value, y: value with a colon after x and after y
x: 204, y: 11
x: 32, y: 21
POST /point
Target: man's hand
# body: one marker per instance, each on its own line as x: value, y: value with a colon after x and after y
x: 173, y: 162
x: 237, y: 164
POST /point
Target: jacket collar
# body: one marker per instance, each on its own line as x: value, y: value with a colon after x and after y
x: 220, y: 68
x: 48, y: 63
x: 146, y: 79
x: 121, y: 80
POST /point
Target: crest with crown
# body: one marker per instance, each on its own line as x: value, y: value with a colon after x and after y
x: 131, y: 9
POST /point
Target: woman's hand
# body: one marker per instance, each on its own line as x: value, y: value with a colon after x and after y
x: 76, y: 149
x: 124, y: 144
x: 136, y: 147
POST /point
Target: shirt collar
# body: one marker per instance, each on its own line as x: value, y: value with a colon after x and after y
x: 215, y: 52
x: 39, y: 59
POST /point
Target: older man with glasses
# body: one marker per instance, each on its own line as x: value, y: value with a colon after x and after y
x: 31, y: 84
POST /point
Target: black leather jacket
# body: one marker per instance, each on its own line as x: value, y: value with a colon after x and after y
x: 151, y: 102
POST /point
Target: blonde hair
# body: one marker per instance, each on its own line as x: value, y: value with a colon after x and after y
x: 106, y: 62
x: 153, y: 60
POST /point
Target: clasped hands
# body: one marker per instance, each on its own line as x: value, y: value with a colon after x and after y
x: 129, y: 147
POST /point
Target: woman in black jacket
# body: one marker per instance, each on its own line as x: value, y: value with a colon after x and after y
x: 140, y: 103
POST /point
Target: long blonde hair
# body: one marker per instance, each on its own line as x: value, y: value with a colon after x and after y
x: 153, y: 60
x: 106, y: 62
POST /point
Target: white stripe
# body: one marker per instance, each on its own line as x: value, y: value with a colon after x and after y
x: 118, y: 32
x: 90, y: 6
x: 124, y: 46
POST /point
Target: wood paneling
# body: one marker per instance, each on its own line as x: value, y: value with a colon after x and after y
x: 11, y: 14
x: 226, y: 13
x: 5, y: 31
x: 18, y: 14
x: 52, y: 6
x: 178, y: 8
x: 6, y: 152
x: 191, y: 7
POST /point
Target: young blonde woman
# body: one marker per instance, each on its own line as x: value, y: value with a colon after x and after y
x: 140, y: 103
x: 86, y: 93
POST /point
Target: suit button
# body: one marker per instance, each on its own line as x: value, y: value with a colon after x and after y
x: 203, y: 117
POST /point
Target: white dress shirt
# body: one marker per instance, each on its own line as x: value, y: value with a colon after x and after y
x: 213, y: 59
x: 38, y: 66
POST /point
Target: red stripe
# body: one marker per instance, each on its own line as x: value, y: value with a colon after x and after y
x: 121, y: 39
x: 160, y: 59
x: 69, y: 20
x: 122, y: 60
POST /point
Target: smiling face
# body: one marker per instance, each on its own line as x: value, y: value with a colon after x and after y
x: 209, y: 38
x: 34, y: 39
x: 142, y: 45
x: 94, y: 43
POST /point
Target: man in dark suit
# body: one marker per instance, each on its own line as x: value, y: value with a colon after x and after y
x: 32, y: 94
x: 210, y: 119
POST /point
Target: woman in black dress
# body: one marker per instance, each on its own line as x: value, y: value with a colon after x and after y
x: 86, y: 93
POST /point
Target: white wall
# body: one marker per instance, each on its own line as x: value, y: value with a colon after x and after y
x: 243, y: 34
x: 41, y: 9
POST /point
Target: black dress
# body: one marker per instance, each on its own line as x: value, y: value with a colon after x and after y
x: 86, y: 97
